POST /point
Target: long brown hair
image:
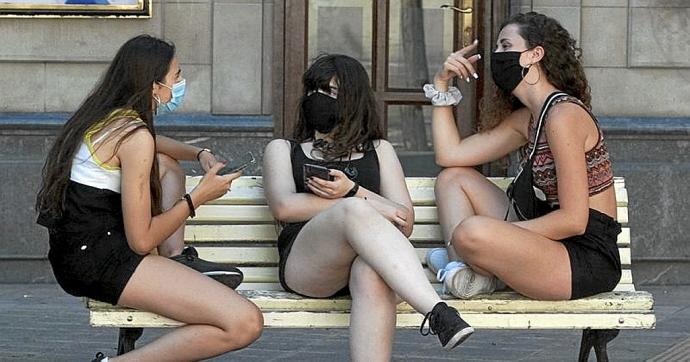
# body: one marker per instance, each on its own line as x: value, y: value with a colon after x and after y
x: 561, y: 65
x: 127, y: 84
x: 359, y: 123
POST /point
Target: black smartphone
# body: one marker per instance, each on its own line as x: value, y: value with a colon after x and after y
x: 238, y: 164
x: 311, y: 170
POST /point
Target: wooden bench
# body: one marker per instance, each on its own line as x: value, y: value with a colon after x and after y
x: 239, y: 229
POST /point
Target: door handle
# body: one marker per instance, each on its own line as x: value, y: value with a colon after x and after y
x: 455, y: 8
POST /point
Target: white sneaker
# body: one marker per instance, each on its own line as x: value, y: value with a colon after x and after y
x: 463, y: 282
x: 436, y: 259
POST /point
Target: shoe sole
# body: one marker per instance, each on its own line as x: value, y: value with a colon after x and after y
x: 230, y: 279
x: 459, y: 338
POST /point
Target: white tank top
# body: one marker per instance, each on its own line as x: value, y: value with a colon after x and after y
x: 87, y: 169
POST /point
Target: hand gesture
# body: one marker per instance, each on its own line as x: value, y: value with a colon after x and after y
x: 461, y: 64
x: 335, y: 189
x: 207, y: 160
x: 212, y: 185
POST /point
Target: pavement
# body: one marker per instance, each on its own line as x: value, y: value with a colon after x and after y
x: 41, y: 322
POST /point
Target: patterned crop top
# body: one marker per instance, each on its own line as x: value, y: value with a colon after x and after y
x: 599, y: 168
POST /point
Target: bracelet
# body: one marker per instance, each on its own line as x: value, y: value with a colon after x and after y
x: 190, y: 204
x: 450, y: 98
x: 353, y: 191
x: 200, y: 151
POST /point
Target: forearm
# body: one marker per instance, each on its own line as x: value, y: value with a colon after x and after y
x: 379, y: 202
x: 160, y: 228
x: 176, y: 149
x: 556, y: 225
x: 298, y: 207
x: 444, y: 131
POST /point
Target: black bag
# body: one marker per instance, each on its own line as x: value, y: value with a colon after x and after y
x: 520, y: 192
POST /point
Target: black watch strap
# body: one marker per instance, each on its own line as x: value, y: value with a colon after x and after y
x: 353, y: 191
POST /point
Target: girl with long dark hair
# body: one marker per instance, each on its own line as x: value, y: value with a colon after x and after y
x: 562, y: 244
x: 349, y: 235
x: 102, y: 202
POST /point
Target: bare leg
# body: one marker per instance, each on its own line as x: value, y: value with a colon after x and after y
x: 323, y: 253
x: 373, y: 314
x: 218, y: 319
x: 173, y: 188
x: 462, y: 192
x: 528, y: 262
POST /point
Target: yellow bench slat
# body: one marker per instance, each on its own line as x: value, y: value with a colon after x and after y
x: 421, y: 233
x: 264, y: 255
x: 281, y: 319
x: 260, y: 214
x: 500, y: 302
x: 248, y: 190
x: 269, y: 274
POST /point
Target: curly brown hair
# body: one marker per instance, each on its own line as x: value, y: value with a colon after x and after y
x: 561, y: 65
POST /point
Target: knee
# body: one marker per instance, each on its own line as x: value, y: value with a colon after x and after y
x: 353, y: 208
x: 470, y: 236
x: 169, y: 166
x: 365, y: 281
x: 245, y: 330
x: 454, y: 177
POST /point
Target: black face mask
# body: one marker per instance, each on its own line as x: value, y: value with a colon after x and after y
x: 320, y: 112
x: 506, y: 70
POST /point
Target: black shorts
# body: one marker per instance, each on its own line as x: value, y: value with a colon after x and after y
x: 285, y: 240
x: 594, y: 259
x: 95, y: 264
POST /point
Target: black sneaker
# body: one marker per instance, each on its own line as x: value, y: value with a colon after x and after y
x: 99, y: 357
x: 446, y: 323
x: 227, y: 274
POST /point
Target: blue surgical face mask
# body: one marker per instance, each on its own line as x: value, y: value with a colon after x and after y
x: 178, y: 91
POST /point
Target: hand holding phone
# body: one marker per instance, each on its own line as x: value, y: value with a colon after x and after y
x: 311, y: 170
x: 238, y: 165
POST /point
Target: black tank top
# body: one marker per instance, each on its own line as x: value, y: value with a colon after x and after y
x: 367, y: 168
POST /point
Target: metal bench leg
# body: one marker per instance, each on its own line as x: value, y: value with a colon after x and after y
x: 598, y: 339
x: 127, y: 339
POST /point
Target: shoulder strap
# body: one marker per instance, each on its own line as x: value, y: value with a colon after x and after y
x: 542, y: 116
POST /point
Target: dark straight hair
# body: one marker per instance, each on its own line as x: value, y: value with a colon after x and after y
x: 128, y: 85
x: 359, y: 124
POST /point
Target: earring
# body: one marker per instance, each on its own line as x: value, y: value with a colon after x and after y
x: 523, y: 74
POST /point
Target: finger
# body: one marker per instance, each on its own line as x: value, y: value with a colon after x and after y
x: 310, y: 182
x: 400, y: 222
x: 317, y: 192
x: 322, y: 183
x: 336, y: 173
x: 468, y: 49
x: 232, y: 176
x: 474, y: 59
x: 469, y: 67
x: 214, y: 170
x: 457, y: 68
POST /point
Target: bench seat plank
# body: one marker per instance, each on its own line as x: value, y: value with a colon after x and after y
x: 248, y: 190
x: 269, y: 233
x: 501, y: 306
x: 268, y: 255
x: 269, y: 274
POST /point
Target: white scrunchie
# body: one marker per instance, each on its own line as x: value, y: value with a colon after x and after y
x: 450, y: 98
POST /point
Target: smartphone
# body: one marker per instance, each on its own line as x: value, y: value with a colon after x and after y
x: 311, y: 170
x: 238, y: 165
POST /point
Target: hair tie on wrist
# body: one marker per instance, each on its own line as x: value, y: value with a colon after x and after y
x: 198, y: 154
x: 450, y: 98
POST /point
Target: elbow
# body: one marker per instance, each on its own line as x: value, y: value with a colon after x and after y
x: 441, y: 160
x: 577, y: 225
x: 280, y: 210
x: 140, y: 247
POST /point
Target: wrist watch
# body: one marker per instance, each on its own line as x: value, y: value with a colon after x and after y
x: 353, y: 190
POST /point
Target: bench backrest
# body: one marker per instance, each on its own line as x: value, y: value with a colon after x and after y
x: 239, y: 228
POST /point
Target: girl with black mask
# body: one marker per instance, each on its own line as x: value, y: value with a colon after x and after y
x: 559, y: 246
x: 349, y: 235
